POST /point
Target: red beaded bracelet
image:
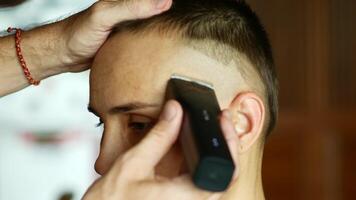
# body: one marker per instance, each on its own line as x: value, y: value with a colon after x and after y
x: 19, y: 55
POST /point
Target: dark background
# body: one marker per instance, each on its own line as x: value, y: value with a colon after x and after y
x: 312, y: 152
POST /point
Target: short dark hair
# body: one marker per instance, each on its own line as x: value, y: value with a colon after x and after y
x: 7, y: 3
x: 230, y: 23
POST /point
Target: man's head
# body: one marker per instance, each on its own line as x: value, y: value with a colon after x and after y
x: 218, y: 41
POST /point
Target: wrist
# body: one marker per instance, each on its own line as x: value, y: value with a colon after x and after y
x: 47, y: 53
x: 42, y: 50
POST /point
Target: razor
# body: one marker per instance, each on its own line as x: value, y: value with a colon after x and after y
x: 204, y: 147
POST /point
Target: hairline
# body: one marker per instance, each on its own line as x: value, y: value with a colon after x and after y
x: 243, y: 64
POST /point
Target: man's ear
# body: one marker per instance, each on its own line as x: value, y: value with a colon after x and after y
x: 248, y: 115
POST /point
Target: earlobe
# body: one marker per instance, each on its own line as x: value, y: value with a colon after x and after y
x: 248, y: 117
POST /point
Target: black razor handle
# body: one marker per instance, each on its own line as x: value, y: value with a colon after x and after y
x: 201, y: 138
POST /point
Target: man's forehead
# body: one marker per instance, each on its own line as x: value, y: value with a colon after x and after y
x: 125, y: 68
x: 126, y: 90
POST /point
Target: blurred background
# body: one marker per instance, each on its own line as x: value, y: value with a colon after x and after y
x: 48, y: 142
x: 48, y: 139
x: 312, y: 153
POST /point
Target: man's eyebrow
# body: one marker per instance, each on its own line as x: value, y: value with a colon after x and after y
x: 131, y: 107
x: 125, y: 107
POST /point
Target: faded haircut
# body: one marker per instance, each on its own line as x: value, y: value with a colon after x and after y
x: 226, y: 30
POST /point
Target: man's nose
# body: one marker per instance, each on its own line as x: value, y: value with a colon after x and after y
x: 101, y: 165
x: 114, y: 143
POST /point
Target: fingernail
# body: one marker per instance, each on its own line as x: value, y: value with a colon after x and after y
x: 169, y: 112
x: 160, y: 3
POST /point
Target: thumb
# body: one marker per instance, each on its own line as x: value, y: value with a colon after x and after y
x: 111, y: 12
x: 160, y: 139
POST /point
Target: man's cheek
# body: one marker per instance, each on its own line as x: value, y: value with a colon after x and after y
x: 171, y: 164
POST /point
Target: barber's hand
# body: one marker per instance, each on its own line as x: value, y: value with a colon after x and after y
x: 132, y: 176
x: 85, y: 32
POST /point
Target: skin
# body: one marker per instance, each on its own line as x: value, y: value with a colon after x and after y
x: 124, y: 75
x: 137, y: 165
x: 125, y: 72
x: 68, y: 45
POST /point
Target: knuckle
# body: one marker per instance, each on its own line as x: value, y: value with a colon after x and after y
x: 95, y: 11
x: 97, y: 7
x: 98, y: 11
x: 135, y: 8
x: 129, y: 6
x: 159, y: 132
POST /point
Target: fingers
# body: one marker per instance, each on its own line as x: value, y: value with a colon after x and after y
x: 159, y: 140
x: 179, y: 188
x: 231, y: 138
x: 184, y: 182
x: 111, y: 12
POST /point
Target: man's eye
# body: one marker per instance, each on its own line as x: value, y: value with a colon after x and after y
x: 139, y: 126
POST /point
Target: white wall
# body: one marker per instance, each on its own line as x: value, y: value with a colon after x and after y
x: 30, y: 169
